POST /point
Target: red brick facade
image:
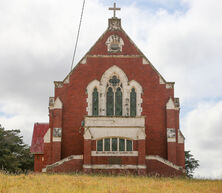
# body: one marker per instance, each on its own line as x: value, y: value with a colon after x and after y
x: 68, y: 109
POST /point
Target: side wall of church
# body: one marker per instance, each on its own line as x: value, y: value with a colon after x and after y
x: 38, y: 162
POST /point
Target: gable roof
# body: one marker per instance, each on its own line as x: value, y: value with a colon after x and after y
x: 39, y: 131
x: 116, y: 29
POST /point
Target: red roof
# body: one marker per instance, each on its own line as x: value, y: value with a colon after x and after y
x: 39, y: 131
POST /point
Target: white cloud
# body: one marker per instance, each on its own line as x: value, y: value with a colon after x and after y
x: 202, y: 128
x: 185, y: 47
x: 22, y: 116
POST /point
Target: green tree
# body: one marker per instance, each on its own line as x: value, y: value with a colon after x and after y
x: 15, y: 156
x: 190, y: 164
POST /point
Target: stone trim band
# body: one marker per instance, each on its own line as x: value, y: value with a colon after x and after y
x: 113, y: 166
x: 130, y: 153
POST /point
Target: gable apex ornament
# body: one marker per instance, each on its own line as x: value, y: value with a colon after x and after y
x: 114, y: 43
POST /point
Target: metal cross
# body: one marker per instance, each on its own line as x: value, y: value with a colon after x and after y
x: 114, y: 8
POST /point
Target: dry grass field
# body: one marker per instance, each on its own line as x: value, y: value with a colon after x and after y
x: 79, y: 183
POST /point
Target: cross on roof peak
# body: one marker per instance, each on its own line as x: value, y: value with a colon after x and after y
x: 114, y: 9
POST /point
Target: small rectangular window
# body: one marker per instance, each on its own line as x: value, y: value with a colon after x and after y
x: 129, y: 145
x: 107, y: 144
x: 100, y: 145
x: 121, y: 144
x: 114, y: 144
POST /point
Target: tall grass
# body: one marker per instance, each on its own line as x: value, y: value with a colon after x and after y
x: 80, y: 183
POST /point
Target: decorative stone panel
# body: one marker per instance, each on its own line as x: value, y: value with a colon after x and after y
x: 138, y: 122
x: 114, y: 44
x: 127, y: 127
x: 57, y: 132
x: 171, y: 135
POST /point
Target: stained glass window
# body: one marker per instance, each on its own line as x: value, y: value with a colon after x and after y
x: 95, y: 110
x: 133, y: 102
x: 129, y: 145
x: 110, y: 102
x: 114, y: 144
x: 100, y: 145
x: 107, y: 144
x: 118, y: 102
x: 121, y: 144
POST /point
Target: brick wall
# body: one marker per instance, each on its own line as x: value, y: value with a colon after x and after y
x: 154, y: 100
x: 74, y: 165
x: 122, y: 160
x: 180, y: 155
x: 155, y: 167
x: 38, y: 162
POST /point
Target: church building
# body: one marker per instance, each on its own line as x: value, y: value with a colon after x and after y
x: 113, y: 112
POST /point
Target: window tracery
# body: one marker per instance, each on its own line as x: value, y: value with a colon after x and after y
x: 116, y: 95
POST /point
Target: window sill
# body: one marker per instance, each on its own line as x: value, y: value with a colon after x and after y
x: 114, y: 153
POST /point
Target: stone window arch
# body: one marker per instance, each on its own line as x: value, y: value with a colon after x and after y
x: 115, y: 87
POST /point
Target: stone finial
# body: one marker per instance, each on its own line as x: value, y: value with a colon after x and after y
x: 114, y: 24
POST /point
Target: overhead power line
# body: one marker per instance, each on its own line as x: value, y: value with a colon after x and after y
x: 77, y: 38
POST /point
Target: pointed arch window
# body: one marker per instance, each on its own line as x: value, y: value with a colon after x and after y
x: 110, y: 102
x: 133, y: 102
x: 114, y: 97
x: 118, y: 102
x: 95, y: 103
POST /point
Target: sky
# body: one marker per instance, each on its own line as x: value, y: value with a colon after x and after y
x: 182, y: 39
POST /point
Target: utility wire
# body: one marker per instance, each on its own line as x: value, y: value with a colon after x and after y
x: 77, y: 38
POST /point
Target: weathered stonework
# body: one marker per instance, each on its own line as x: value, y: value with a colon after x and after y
x: 58, y: 84
x: 101, y: 127
x: 114, y: 44
x: 114, y: 24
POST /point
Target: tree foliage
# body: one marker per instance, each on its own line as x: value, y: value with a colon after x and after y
x: 15, y: 156
x: 190, y: 164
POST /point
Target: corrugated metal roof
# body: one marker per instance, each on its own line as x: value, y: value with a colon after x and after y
x: 39, y: 131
